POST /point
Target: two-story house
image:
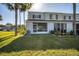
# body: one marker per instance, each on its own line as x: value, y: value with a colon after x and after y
x: 44, y: 22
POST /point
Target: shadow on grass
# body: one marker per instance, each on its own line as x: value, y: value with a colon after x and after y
x: 6, y: 37
x: 41, y: 42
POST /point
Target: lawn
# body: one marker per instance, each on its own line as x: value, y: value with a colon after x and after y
x: 38, y: 45
x: 6, y: 38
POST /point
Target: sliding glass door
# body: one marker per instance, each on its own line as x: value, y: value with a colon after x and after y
x: 60, y: 27
x: 77, y: 29
x: 39, y: 27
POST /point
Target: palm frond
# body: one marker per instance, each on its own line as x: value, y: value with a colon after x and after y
x: 10, y: 6
x: 26, y: 6
x: 0, y: 18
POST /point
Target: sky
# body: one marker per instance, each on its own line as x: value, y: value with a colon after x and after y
x: 9, y: 16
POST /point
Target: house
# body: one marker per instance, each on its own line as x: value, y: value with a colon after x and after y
x: 44, y: 22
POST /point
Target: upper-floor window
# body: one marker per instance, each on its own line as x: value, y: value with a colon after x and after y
x: 36, y: 16
x: 56, y: 16
x: 33, y: 16
x: 50, y: 16
x: 64, y: 17
x: 69, y: 17
x: 39, y: 16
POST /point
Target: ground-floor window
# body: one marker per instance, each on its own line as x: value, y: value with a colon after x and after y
x: 61, y: 27
x: 77, y: 29
x: 39, y: 27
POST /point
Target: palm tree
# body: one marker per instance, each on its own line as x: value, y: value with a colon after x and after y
x: 74, y: 18
x: 20, y: 17
x: 25, y: 6
x: 0, y: 18
x: 15, y: 7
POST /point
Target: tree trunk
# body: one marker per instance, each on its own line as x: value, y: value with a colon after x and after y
x: 20, y: 18
x: 24, y: 20
x: 74, y: 18
x: 16, y: 18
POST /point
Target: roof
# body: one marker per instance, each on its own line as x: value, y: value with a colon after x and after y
x: 53, y: 12
x: 52, y: 20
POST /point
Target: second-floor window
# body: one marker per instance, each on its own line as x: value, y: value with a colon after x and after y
x: 36, y: 16
x: 64, y: 17
x: 69, y: 17
x: 33, y: 16
x: 50, y: 16
x: 56, y: 16
x: 39, y: 16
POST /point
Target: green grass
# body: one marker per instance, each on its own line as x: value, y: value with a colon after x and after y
x: 6, y: 38
x: 38, y: 45
x: 51, y: 52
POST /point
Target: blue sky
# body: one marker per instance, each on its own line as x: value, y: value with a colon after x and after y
x: 8, y: 16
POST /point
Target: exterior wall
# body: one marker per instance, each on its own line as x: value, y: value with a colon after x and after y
x: 69, y: 26
x: 29, y: 27
x: 30, y: 14
x: 29, y: 24
x: 77, y: 18
x: 46, y: 16
x: 50, y: 24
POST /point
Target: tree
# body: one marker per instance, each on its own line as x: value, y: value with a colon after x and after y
x: 20, y: 6
x: 0, y: 18
x: 74, y: 18
x: 15, y: 7
x: 25, y: 6
x: 19, y: 17
x: 9, y: 24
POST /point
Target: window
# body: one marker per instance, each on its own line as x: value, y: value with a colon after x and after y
x: 36, y: 16
x: 57, y: 27
x: 39, y: 16
x: 56, y: 16
x: 77, y: 29
x: 69, y: 17
x: 61, y: 27
x: 64, y: 17
x: 39, y: 27
x: 34, y: 27
x: 50, y: 16
x: 33, y: 16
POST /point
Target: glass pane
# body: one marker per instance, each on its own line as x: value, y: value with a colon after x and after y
x: 61, y: 27
x: 42, y: 27
x: 39, y: 27
x: 34, y: 28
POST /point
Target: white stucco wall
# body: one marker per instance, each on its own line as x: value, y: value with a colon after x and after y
x: 46, y: 16
x: 30, y: 15
x: 77, y: 18
x: 50, y: 26
x: 69, y: 26
x: 29, y: 26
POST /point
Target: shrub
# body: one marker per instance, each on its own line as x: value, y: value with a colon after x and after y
x: 57, y: 33
x: 63, y: 32
x: 22, y: 32
x: 71, y: 32
x: 52, y: 32
x: 28, y: 31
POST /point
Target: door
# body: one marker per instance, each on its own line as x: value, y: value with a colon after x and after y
x: 77, y: 29
x: 61, y: 27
